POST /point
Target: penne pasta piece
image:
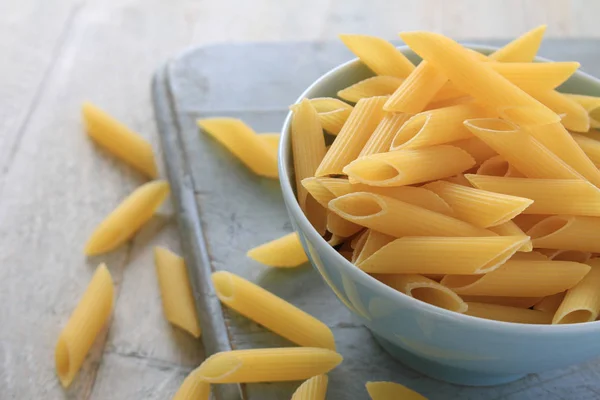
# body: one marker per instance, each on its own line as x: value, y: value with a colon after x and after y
x: 358, y: 238
x: 480, y: 207
x: 570, y: 255
x: 417, y: 90
x: 591, y: 105
x: 531, y: 256
x: 407, y: 167
x: 341, y: 227
x: 268, y: 365
x: 382, y: 137
x: 442, y: 255
x: 550, y: 196
x: 314, y: 388
x: 370, y: 87
x: 459, y: 179
x: 193, y: 388
x: 175, y: 291
x: 591, y: 147
x: 550, y: 303
x: 119, y: 140
x: 243, y: 142
x: 508, y: 314
x: 129, y: 216
x: 424, y: 289
x: 534, y: 77
x: 327, y: 104
x: 371, y: 242
x: 520, y: 279
x: 518, y: 302
x: 522, y: 49
x: 498, y: 166
x: 448, y: 95
x: 509, y: 228
x: 582, y: 302
x: 361, y: 123
x: 566, y: 233
x: 317, y: 215
x: 271, y: 311
x: 272, y: 141
x: 478, y: 79
x: 477, y: 148
x: 321, y: 194
x: 526, y: 222
x: 308, y: 146
x: 391, y: 391
x: 379, y: 55
x: 85, y: 322
x: 573, y: 116
x: 443, y: 125
x: 520, y: 149
x: 284, y: 252
x: 333, y: 113
x: 397, y: 218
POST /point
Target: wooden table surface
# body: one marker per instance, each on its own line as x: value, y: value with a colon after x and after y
x: 55, y: 185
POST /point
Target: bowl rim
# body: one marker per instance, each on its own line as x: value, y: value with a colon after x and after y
x: 446, y: 315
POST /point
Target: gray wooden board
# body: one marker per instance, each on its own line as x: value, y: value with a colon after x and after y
x: 223, y: 209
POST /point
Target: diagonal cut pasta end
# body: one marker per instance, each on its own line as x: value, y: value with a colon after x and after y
x: 409, y: 131
x: 372, y: 171
x: 524, y: 115
x: 357, y: 206
x: 62, y: 360
x: 219, y: 366
x: 224, y: 285
x: 490, y: 125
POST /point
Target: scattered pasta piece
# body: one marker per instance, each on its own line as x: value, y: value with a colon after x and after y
x: 285, y: 252
x: 271, y: 140
x: 582, y: 302
x: 193, y: 388
x: 522, y: 49
x: 391, y: 391
x: 314, y: 388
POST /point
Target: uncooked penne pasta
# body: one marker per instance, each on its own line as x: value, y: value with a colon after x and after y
x: 520, y: 278
x: 498, y: 166
x: 534, y: 77
x: 510, y: 228
x: 341, y: 227
x: 244, y: 143
x: 459, y: 179
x: 442, y: 255
x: 591, y: 147
x: 314, y: 388
x: 268, y: 365
x: 193, y: 388
x: 129, y: 216
x: 477, y: 148
x: 272, y: 141
x: 379, y: 55
x: 175, y: 291
x: 271, y: 311
x: 550, y: 303
x: 424, y: 289
x: 569, y: 255
x: 519, y: 302
x: 407, y: 167
x: 479, y: 207
x: 332, y: 113
x: 550, y: 196
x: 119, y: 140
x: 308, y: 146
x: 520, y: 149
x: 443, y: 125
x: 86, y: 321
x: 591, y: 105
x: 285, y: 251
x: 321, y: 194
x: 370, y: 87
x: 381, y: 139
x: 391, y: 391
x: 536, y: 255
x: 508, y: 314
x: 566, y: 233
x: 397, y: 218
x: 582, y: 302
x: 526, y: 221
x: 370, y: 242
x: 573, y: 116
x: 316, y: 215
x: 522, y: 49
x: 478, y: 79
x: 348, y: 144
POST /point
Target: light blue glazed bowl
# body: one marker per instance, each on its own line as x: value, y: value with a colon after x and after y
x: 442, y: 344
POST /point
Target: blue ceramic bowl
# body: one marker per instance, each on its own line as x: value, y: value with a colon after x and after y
x: 442, y: 344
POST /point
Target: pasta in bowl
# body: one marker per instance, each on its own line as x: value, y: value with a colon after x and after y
x: 454, y: 212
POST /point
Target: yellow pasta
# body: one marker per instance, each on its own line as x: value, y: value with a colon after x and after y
x: 271, y: 140
x: 332, y: 113
x: 550, y: 196
x: 498, y: 166
x: 369, y: 243
x: 268, y: 365
x: 568, y: 255
x: 477, y: 148
x: 271, y: 311
x: 442, y: 255
x: 573, y: 116
x: 536, y: 255
x: 424, y: 289
x: 582, y: 302
x: 391, y: 391
x: 175, y: 291
x: 459, y: 179
x: 314, y: 388
x: 518, y: 278
x: 129, y: 216
x: 321, y: 194
x: 193, y: 388
x: 510, y: 228
x: 407, y: 167
x: 566, y: 233
x: 443, y: 125
x: 83, y: 326
x: 478, y: 79
x: 382, y: 137
x: 520, y: 149
x: 119, y: 140
x: 550, y: 303
x: 508, y: 314
x: 526, y: 222
x: 397, y: 218
x: 308, y: 146
x: 379, y: 55
x: 591, y: 105
x: 316, y: 214
x: 284, y: 252
x: 522, y: 49
x: 590, y: 146
x: 327, y: 104
x: 518, y: 302
x: 534, y: 77
x: 480, y: 207
x: 341, y: 227
x: 244, y: 143
x: 370, y: 87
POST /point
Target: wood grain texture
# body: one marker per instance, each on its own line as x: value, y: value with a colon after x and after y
x: 56, y: 185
